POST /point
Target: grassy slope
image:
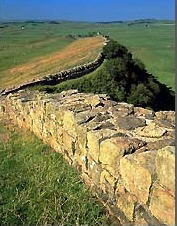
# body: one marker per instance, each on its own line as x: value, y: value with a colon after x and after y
x: 20, y: 46
x: 79, y: 52
x: 37, y: 187
x: 72, y: 83
x: 153, y: 45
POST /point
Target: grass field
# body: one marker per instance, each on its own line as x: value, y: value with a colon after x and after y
x: 37, y: 187
x: 153, y: 45
x: 78, y: 52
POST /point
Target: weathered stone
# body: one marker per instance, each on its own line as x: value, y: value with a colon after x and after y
x: 130, y: 122
x: 52, y: 141
x: 162, y: 205
x: 126, y: 203
x: 140, y: 221
x: 91, y: 125
x: 165, y: 167
x: 152, y: 130
x: 106, y: 125
x: 170, y: 134
x: 137, y: 172
x: 78, y: 107
x: 69, y: 123
x: 160, y: 144
x: 94, y: 171
x: 69, y: 143
x: 166, y: 115
x: 2, y: 109
x: 94, y: 101
x: 125, y: 106
x: 164, y: 123
x: 139, y: 112
x: 93, y: 141
x: 101, y: 117
x: 87, y: 179
x: 81, y: 142
x: 68, y: 92
x: 85, y: 117
x: 111, y: 150
x: 107, y: 182
x: 123, y: 164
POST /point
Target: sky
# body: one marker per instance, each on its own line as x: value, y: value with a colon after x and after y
x: 86, y: 10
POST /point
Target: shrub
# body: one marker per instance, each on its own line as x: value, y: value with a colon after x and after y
x: 140, y: 95
x: 113, y: 50
x: 139, y: 64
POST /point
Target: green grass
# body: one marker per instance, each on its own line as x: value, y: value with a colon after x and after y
x: 37, y: 187
x: 72, y: 83
x: 153, y: 45
x: 78, y: 52
x: 20, y: 48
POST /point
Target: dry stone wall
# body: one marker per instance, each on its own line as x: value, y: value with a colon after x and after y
x: 64, y: 75
x: 124, y: 153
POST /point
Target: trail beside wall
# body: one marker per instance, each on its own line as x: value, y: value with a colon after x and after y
x: 124, y: 153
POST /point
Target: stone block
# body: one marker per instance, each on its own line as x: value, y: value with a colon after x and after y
x: 69, y: 143
x: 69, y: 123
x: 130, y: 122
x: 107, y: 182
x: 162, y: 205
x: 94, y: 101
x: 126, y: 203
x: 112, y: 150
x: 94, y: 139
x: 165, y: 167
x: 151, y: 130
x: 137, y: 172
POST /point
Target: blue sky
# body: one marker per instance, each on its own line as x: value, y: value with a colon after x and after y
x: 86, y: 10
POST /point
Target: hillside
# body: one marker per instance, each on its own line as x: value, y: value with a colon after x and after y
x: 153, y: 45
x: 78, y: 52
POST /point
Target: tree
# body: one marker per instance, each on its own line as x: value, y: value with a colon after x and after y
x: 117, y: 68
x: 141, y: 96
x: 113, y: 49
x: 138, y: 63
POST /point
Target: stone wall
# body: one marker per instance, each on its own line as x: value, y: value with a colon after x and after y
x: 125, y: 154
x: 64, y: 75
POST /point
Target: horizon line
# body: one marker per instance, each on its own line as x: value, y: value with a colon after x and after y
x: 86, y: 21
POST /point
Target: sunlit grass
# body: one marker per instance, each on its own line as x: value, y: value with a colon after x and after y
x: 37, y: 187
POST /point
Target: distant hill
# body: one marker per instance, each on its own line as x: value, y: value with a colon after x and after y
x: 139, y: 21
x: 111, y: 22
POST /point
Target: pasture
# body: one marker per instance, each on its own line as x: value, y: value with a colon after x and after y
x: 154, y: 45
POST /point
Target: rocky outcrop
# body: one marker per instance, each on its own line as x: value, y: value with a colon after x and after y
x: 124, y: 153
x: 64, y: 75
